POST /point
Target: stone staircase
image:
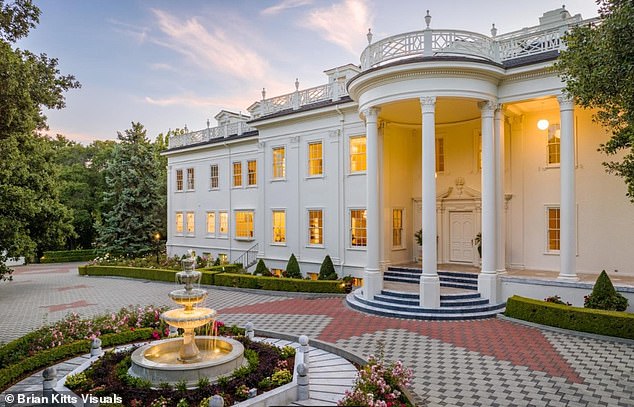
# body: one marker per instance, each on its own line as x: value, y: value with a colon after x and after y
x: 463, y: 302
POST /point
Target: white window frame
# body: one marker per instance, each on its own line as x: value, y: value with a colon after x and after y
x: 213, y: 177
x: 309, y: 160
x: 249, y: 173
x: 211, y: 233
x: 308, y: 229
x: 235, y: 224
x: 273, y: 164
x: 182, y: 180
x: 193, y: 222
x: 350, y: 229
x: 182, y: 223
x: 402, y: 230
x: 273, y: 228
x: 547, y: 208
x: 222, y: 235
x: 553, y: 129
x: 191, y: 180
x: 350, y: 171
x: 234, y: 175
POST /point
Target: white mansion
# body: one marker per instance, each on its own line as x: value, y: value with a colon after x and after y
x: 456, y: 133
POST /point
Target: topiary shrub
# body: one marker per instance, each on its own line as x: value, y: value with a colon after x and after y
x: 262, y: 270
x: 604, y: 296
x: 292, y: 268
x: 327, y: 270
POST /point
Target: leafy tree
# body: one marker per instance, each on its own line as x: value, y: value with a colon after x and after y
x: 327, y: 270
x: 131, y: 196
x: 599, y: 74
x: 31, y: 217
x: 262, y: 269
x: 292, y: 268
x: 604, y: 295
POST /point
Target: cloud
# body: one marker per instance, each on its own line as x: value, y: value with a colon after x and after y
x: 159, y: 66
x: 213, y: 48
x: 284, y: 5
x: 82, y: 138
x: 139, y: 34
x: 191, y: 100
x: 343, y: 24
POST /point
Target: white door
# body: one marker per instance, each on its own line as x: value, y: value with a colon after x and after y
x: 461, y: 233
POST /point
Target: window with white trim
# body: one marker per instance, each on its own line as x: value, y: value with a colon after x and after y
x: 179, y: 223
x: 315, y: 159
x: 554, y: 144
x: 279, y: 226
x: 179, y: 180
x: 244, y: 224
x: 440, y: 155
x: 223, y: 223
x: 358, y: 231
x: 279, y: 162
x: 190, y: 179
x: 357, y: 154
x: 315, y: 227
x: 190, y: 223
x: 237, y: 174
x: 252, y: 172
x: 213, y: 177
x: 397, y: 227
x: 553, y: 231
x: 211, y: 223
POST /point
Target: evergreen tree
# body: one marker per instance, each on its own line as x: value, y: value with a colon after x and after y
x: 292, y: 268
x: 262, y: 270
x: 131, y: 197
x: 327, y: 270
x: 604, y: 295
x: 32, y: 219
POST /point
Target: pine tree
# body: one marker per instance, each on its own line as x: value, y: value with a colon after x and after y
x: 327, y: 270
x: 292, y: 268
x: 131, y: 199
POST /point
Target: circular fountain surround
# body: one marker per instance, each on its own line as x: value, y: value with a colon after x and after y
x: 158, y: 362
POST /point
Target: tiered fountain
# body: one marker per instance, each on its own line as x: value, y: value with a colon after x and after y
x: 188, y: 358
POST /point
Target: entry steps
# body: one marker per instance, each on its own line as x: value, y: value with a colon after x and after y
x: 399, y: 304
x: 453, y: 279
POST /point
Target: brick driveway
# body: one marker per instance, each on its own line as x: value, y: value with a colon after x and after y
x: 461, y: 363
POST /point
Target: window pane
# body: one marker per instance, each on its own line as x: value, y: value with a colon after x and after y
x: 397, y: 227
x: 179, y: 222
x: 358, y: 236
x: 224, y: 223
x: 554, y: 144
x: 315, y: 160
x: 357, y: 154
x: 315, y: 227
x: 553, y: 229
x: 279, y: 226
x: 252, y: 176
x: 244, y: 224
x: 440, y: 155
x: 211, y: 223
x: 279, y: 162
x: 190, y: 222
x: 190, y: 178
x: 213, y: 180
x: 179, y: 180
x: 237, y: 174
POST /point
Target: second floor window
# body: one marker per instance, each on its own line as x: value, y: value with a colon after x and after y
x: 440, y: 155
x: 554, y: 144
x: 237, y: 174
x: 252, y: 174
x: 190, y: 179
x: 358, y: 233
x: 357, y: 154
x: 213, y: 178
x: 315, y: 226
x: 279, y: 162
x: 279, y: 226
x: 315, y: 159
x: 179, y: 180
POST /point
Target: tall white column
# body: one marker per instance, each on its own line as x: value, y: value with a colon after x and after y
x: 372, y: 279
x: 500, y: 214
x: 487, y: 280
x: 567, y: 209
x: 429, y: 281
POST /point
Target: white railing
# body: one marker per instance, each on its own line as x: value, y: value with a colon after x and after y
x: 429, y: 43
x: 300, y: 98
x: 210, y: 133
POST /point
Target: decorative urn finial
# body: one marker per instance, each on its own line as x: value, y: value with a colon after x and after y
x: 428, y: 19
x: 263, y: 93
x: 296, y: 84
x: 369, y: 36
x: 494, y: 31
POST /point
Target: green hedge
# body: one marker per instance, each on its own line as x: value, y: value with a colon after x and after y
x: 13, y: 372
x: 611, y: 323
x: 215, y: 276
x: 65, y: 256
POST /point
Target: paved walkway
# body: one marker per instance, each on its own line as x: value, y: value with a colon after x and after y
x: 463, y: 363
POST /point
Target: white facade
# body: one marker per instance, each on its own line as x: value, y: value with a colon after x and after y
x: 451, y: 143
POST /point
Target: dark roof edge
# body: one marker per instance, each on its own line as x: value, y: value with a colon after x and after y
x: 305, y: 108
x: 214, y: 141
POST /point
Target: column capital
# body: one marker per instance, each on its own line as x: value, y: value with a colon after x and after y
x: 428, y: 103
x: 488, y: 107
x: 371, y: 114
x: 566, y: 102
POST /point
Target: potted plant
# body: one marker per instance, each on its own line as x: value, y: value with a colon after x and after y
x: 477, y: 242
x: 347, y: 282
x: 419, y: 241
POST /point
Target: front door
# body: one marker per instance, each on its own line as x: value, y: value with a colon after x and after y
x: 461, y: 233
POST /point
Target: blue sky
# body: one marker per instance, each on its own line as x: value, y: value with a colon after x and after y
x: 168, y: 64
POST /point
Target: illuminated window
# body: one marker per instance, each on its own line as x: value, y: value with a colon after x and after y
x: 554, y: 139
x: 237, y: 174
x: 224, y: 259
x: 440, y: 155
x: 315, y: 159
x: 397, y: 227
x: 252, y: 174
x: 223, y: 226
x: 358, y: 233
x: 279, y: 162
x: 179, y: 222
x: 179, y: 180
x: 190, y: 223
x: 244, y: 224
x: 279, y: 226
x: 277, y: 272
x: 211, y: 223
x: 315, y: 226
x: 357, y: 154
x: 213, y: 178
x: 553, y: 229
x: 190, y: 179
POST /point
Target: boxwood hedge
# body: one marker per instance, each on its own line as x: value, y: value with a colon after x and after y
x: 65, y: 256
x: 611, y: 323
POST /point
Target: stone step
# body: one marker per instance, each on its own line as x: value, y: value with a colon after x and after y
x: 454, y: 309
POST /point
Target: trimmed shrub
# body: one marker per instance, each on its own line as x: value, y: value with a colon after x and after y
x: 278, y: 284
x: 154, y: 274
x: 611, y: 323
x: 262, y: 270
x: 604, y: 296
x: 66, y: 256
x: 327, y: 270
x: 292, y: 268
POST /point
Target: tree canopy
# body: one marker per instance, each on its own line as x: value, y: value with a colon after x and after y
x: 598, y: 68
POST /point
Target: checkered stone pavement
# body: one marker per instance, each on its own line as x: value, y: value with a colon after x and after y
x: 301, y: 325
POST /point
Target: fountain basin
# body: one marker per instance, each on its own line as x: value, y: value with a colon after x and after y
x: 188, y: 319
x: 158, y: 362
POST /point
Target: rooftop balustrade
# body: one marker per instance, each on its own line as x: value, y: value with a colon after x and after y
x: 208, y: 134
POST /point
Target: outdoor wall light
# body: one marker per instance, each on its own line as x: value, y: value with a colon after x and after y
x: 542, y: 124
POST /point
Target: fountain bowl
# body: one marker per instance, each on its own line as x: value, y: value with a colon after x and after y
x: 188, y: 319
x: 158, y: 361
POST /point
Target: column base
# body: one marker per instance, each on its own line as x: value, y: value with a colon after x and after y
x: 568, y: 277
x: 430, y: 291
x: 488, y: 287
x: 372, y: 283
